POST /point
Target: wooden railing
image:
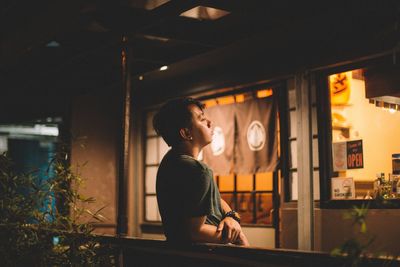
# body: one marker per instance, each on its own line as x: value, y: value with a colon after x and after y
x: 144, y: 252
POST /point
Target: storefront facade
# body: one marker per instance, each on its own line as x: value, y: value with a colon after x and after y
x: 317, y: 130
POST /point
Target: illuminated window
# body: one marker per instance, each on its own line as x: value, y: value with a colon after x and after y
x: 292, y: 186
x: 365, y: 135
x: 251, y: 195
x: 155, y: 151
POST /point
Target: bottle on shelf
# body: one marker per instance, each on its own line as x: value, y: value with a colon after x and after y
x: 377, y: 186
x: 393, y: 184
x: 368, y: 195
x: 385, y: 187
x: 398, y: 188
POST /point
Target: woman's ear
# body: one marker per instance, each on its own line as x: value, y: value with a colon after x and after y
x: 185, y: 134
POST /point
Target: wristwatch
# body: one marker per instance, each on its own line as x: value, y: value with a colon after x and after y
x: 233, y: 214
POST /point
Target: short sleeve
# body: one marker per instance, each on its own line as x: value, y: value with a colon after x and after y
x: 198, y: 195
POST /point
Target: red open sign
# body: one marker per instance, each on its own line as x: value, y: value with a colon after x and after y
x: 355, y: 159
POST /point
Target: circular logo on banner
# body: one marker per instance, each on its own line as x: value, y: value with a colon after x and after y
x: 256, y: 136
x: 218, y: 141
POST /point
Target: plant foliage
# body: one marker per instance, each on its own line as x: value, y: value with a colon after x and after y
x: 355, y: 249
x: 59, y: 235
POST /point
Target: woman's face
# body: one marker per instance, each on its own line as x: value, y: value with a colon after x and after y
x: 201, y: 127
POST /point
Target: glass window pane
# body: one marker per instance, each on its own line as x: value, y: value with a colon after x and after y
x: 245, y: 207
x: 314, y: 122
x: 3, y: 143
x: 293, y: 123
x: 163, y: 148
x: 151, y: 151
x: 364, y: 131
x: 152, y: 209
x: 229, y: 199
x: 151, y: 173
x: 292, y: 96
x: 294, y: 186
x: 244, y: 183
x: 264, y: 208
x: 226, y: 183
x: 210, y: 102
x: 313, y: 94
x: 149, y: 124
x: 316, y: 185
x: 293, y: 154
x: 315, y: 153
x: 224, y: 100
x: 239, y: 98
x: 264, y: 181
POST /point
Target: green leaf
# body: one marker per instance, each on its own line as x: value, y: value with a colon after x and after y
x: 363, y: 228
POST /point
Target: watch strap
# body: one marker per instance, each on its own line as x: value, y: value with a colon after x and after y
x: 233, y: 214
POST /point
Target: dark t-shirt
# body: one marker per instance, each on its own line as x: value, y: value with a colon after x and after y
x: 185, y: 189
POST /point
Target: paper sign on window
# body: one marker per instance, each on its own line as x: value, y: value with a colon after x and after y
x: 347, y: 155
x: 343, y: 188
x: 355, y: 159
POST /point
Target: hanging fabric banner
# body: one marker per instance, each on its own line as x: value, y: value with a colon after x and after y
x: 257, y: 142
x: 219, y: 154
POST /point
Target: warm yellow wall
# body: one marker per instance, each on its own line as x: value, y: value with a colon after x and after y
x: 379, y: 130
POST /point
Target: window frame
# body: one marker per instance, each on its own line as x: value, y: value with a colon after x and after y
x: 278, y: 88
x: 324, y: 124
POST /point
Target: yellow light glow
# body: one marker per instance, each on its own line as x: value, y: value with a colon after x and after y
x: 226, y: 183
x: 226, y: 100
x: 210, y: 102
x: 204, y: 13
x: 239, y: 98
x: 264, y: 181
x: 264, y: 93
x: 163, y: 68
x: 244, y: 183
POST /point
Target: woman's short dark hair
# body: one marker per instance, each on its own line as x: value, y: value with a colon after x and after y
x: 173, y: 116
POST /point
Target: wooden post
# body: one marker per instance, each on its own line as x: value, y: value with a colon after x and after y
x: 122, y: 215
x: 305, y: 203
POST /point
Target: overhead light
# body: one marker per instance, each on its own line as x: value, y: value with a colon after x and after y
x: 155, y: 38
x: 148, y: 4
x: 141, y: 78
x: 205, y: 13
x: 53, y: 44
x: 163, y: 68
